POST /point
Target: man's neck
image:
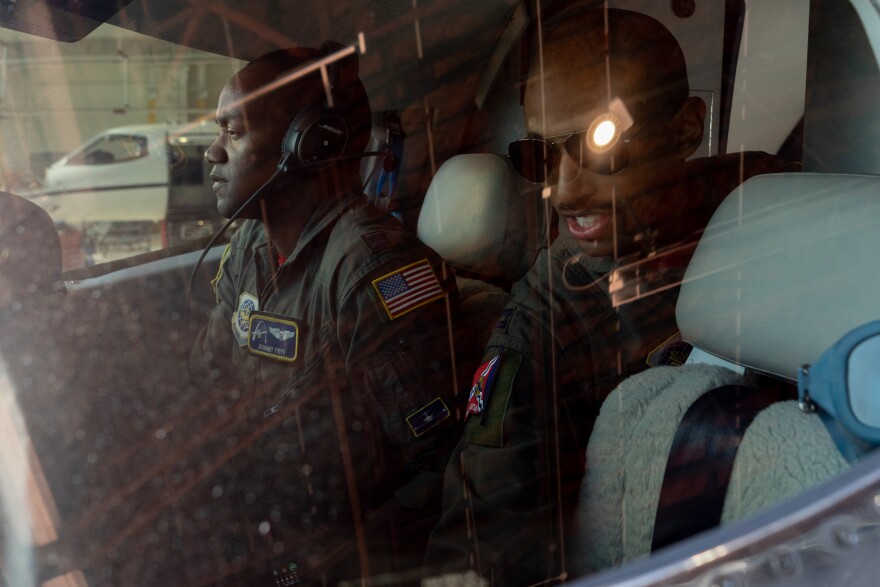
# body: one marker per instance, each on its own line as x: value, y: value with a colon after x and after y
x: 283, y: 230
x: 287, y: 215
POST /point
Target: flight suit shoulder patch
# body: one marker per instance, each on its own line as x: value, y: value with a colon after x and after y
x: 481, y: 386
x: 247, y: 304
x: 488, y: 430
x: 408, y: 288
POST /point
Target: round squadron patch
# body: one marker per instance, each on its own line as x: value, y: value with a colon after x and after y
x: 247, y: 303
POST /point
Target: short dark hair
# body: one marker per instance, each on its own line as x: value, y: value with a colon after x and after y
x: 350, y: 99
x: 633, y: 39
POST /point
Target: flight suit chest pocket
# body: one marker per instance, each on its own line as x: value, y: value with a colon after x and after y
x: 292, y: 358
x: 410, y: 389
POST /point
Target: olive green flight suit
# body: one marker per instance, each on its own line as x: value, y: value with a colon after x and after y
x: 341, y: 360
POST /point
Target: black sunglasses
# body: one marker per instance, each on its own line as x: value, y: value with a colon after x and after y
x: 532, y: 156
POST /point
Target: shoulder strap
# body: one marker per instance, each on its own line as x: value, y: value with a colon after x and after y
x: 701, y: 460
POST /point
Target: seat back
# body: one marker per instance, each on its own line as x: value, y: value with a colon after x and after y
x: 30, y: 250
x: 787, y: 265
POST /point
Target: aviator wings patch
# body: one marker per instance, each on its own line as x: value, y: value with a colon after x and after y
x: 275, y: 337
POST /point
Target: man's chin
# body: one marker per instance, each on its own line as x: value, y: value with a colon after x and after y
x: 596, y: 248
x: 605, y: 248
x: 223, y: 212
x: 227, y: 210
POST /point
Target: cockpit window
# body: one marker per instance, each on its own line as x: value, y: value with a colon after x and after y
x: 111, y: 149
x: 488, y: 293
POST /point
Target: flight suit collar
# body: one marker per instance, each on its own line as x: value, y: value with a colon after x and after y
x: 324, y: 217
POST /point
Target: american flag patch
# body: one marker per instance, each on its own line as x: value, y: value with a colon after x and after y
x: 408, y: 288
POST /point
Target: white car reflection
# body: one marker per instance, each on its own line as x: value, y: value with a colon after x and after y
x: 133, y: 189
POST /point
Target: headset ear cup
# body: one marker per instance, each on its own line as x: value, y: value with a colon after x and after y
x: 288, y: 145
x: 316, y: 137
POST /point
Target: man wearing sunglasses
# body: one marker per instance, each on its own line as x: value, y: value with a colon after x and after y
x: 610, y: 126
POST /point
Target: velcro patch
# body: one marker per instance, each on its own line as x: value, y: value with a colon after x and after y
x: 426, y: 417
x: 273, y: 336
x: 408, y: 288
x: 376, y: 241
x: 482, y: 385
x: 247, y: 304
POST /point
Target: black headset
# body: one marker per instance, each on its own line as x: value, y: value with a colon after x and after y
x: 316, y: 137
x: 319, y: 134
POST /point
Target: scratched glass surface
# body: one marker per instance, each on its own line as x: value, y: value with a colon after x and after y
x: 436, y: 415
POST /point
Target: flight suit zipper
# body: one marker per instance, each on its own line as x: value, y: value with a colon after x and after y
x: 264, y: 285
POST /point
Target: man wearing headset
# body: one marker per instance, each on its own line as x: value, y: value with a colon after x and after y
x: 331, y: 328
x: 611, y: 124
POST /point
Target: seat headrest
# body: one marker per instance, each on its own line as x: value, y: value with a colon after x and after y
x: 481, y: 216
x: 30, y: 250
x: 788, y: 264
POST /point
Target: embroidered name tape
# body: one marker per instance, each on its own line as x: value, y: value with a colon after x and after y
x: 408, y: 288
x: 481, y: 386
x: 273, y: 336
x: 247, y: 304
x: 427, y: 417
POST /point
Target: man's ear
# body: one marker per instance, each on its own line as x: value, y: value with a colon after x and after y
x: 688, y: 126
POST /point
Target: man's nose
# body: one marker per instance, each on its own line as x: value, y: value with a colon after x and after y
x: 571, y: 165
x: 571, y: 172
x: 215, y: 153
